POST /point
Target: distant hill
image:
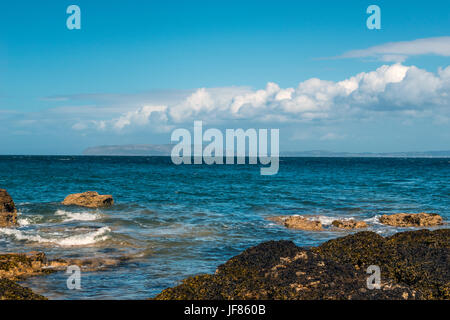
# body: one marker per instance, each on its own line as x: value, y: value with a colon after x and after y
x: 165, y: 150
x: 130, y: 150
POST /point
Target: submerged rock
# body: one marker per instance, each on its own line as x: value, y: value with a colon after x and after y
x: 90, y: 199
x: 414, y: 265
x: 87, y: 264
x: 349, y: 224
x: 8, y: 211
x: 298, y: 222
x: 412, y: 219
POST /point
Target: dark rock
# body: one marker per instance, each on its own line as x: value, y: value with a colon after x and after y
x: 414, y: 265
x: 9, y: 290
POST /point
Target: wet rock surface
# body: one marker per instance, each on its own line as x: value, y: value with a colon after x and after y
x: 349, y: 224
x: 412, y: 219
x: 414, y: 265
x: 8, y: 211
x: 89, y: 199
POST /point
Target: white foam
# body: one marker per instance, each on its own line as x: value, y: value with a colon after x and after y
x: 20, y: 235
x: 374, y: 220
x: 75, y: 240
x: 85, y: 239
x: 78, y: 216
x: 23, y: 221
x: 326, y: 220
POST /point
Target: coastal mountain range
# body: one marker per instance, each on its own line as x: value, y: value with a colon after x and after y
x: 165, y: 150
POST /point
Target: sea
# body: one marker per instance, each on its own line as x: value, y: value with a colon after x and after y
x: 173, y: 221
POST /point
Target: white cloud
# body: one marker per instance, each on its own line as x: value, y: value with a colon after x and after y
x: 400, y: 51
x: 405, y: 91
x: 141, y: 116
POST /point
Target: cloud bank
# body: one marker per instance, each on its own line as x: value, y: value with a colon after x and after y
x: 390, y: 90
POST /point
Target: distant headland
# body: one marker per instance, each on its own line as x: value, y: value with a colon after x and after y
x: 165, y: 149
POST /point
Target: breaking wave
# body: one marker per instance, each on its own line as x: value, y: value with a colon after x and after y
x: 78, y: 216
x: 83, y: 239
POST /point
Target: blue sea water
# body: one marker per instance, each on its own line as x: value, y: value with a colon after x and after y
x: 175, y: 221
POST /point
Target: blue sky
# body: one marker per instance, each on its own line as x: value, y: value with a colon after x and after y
x: 139, y: 69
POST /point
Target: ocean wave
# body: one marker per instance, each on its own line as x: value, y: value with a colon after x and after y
x: 23, y: 221
x: 78, y: 216
x: 84, y: 239
x: 27, y: 219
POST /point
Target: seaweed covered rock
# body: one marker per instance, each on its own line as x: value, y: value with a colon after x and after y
x: 414, y: 265
x: 418, y: 259
x: 8, y: 211
x: 90, y: 199
x: 349, y: 224
x: 9, y: 290
x: 412, y: 219
x: 15, y: 266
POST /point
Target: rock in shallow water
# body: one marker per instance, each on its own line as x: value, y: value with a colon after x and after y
x: 349, y: 224
x: 414, y: 265
x: 8, y: 211
x: 298, y: 223
x: 412, y: 219
x: 90, y: 199
x: 16, y: 266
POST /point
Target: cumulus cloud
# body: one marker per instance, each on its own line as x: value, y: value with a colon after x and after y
x: 400, y: 51
x: 390, y: 88
x: 141, y: 117
x: 396, y: 89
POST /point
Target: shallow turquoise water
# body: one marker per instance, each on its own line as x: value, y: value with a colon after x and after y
x: 175, y: 221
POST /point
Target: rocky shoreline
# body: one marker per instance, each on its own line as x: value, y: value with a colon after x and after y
x: 18, y: 266
x: 413, y: 264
